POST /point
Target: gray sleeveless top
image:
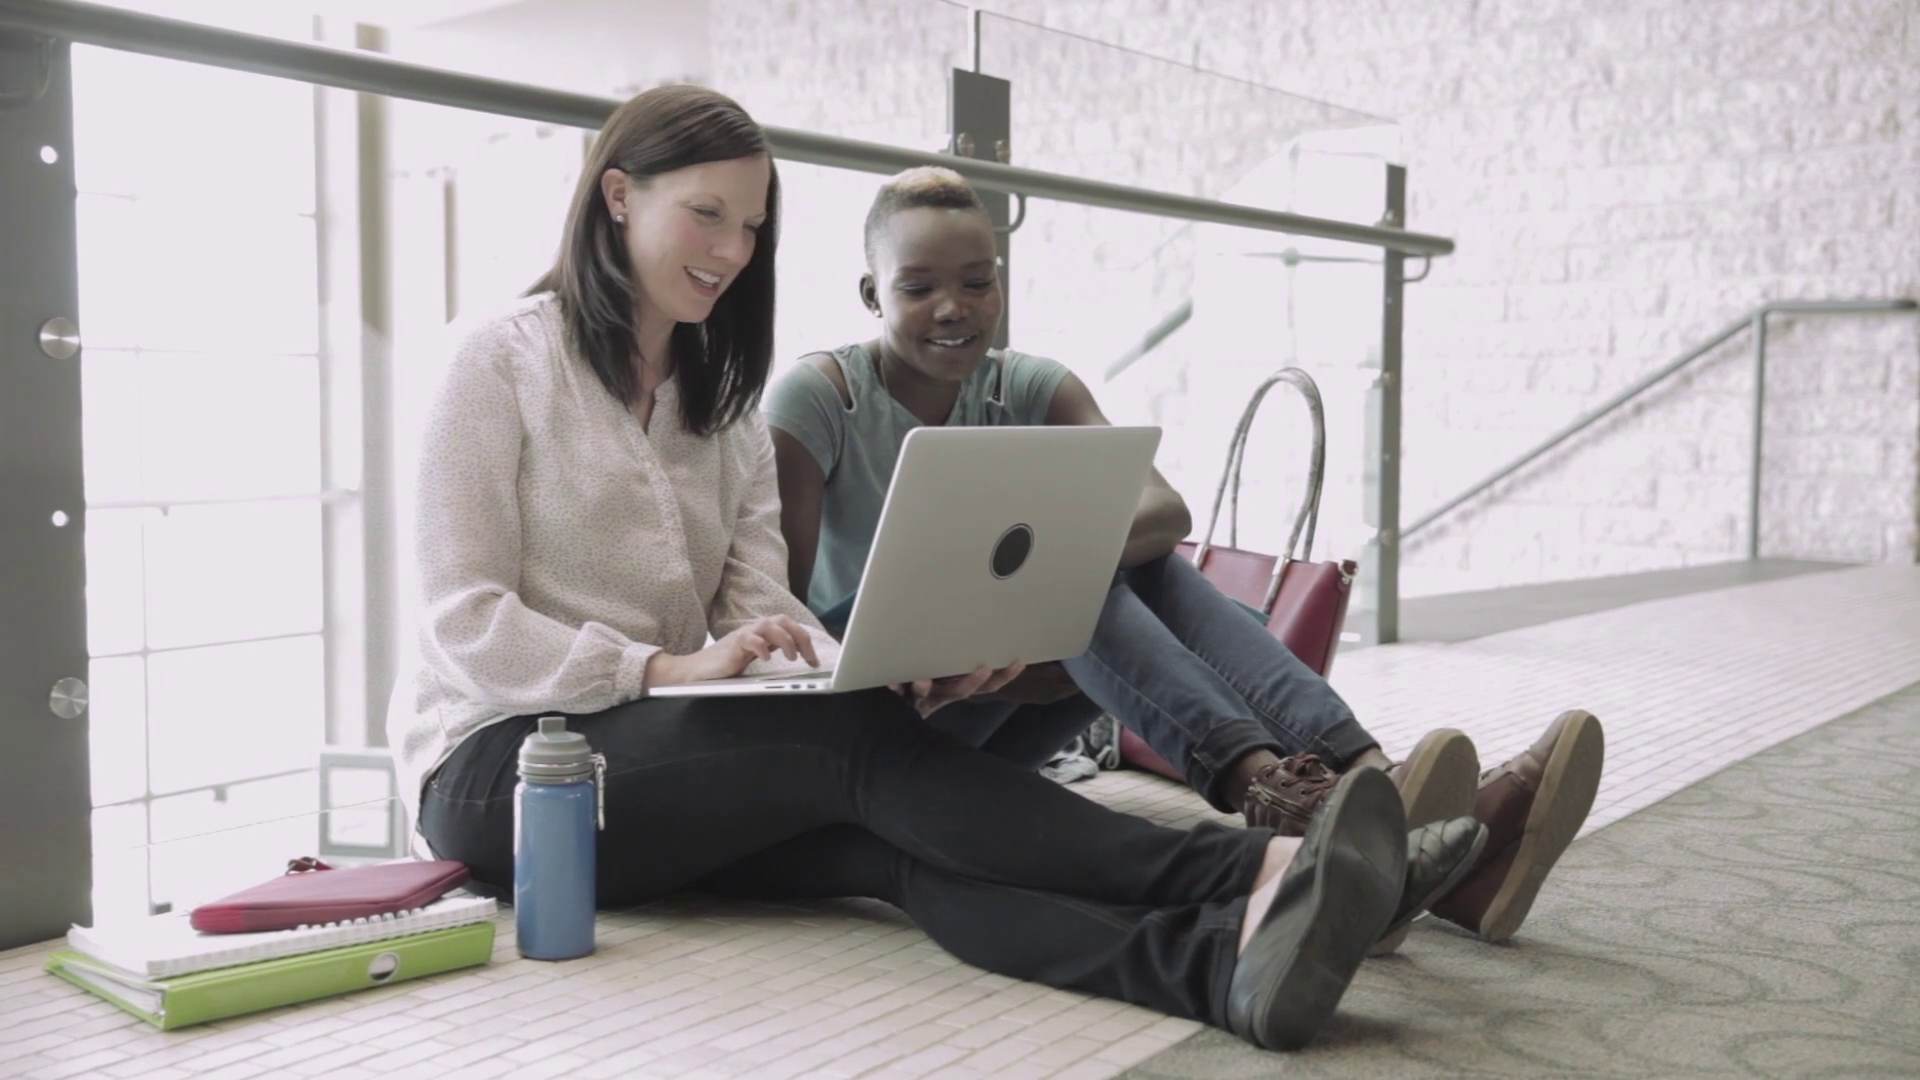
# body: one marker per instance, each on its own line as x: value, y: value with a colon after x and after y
x: 858, y: 447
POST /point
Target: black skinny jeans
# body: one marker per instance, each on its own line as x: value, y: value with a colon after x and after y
x: 853, y: 795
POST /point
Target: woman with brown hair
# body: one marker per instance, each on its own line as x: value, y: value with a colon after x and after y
x: 598, y: 497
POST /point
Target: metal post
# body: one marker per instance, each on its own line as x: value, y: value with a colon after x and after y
x: 973, y: 38
x: 376, y: 403
x: 1759, y: 426
x: 1380, y: 569
x: 450, y: 230
x: 342, y: 546
x: 980, y: 116
x: 46, y: 848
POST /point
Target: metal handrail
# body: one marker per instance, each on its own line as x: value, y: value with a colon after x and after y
x: 178, y: 39
x: 1157, y: 333
x: 1183, y: 312
x: 1757, y: 321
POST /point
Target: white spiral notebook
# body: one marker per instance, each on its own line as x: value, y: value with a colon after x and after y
x: 168, y: 945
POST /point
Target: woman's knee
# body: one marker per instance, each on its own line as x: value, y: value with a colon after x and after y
x: 1161, y: 564
x: 880, y: 722
x: 1169, y: 568
x: 973, y: 722
x: 1168, y: 579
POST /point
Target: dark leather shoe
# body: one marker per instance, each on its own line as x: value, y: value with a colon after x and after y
x: 1533, y: 807
x: 1284, y: 796
x: 1332, y: 902
x: 1439, y: 854
x: 1437, y: 782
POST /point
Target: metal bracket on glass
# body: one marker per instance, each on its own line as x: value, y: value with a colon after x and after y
x: 41, y: 48
x: 962, y: 145
x: 980, y: 116
x: 68, y: 698
x: 1019, y: 216
x: 59, y: 338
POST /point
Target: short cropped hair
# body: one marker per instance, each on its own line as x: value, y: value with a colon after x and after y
x: 925, y: 187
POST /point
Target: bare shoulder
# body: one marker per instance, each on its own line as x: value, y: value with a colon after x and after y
x: 1073, y: 403
x: 827, y: 364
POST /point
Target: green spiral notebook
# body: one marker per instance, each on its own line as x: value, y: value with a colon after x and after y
x: 185, y: 1000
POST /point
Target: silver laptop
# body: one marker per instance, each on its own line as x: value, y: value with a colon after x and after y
x: 995, y: 544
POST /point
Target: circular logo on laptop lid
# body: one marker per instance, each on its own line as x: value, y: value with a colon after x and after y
x: 1011, y: 550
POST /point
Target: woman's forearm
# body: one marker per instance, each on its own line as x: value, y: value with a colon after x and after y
x: 1157, y: 530
x: 665, y: 669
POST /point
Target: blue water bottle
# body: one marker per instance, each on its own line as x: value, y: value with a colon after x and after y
x: 557, y: 808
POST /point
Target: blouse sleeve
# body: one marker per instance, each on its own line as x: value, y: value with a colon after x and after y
x: 754, y: 582
x: 475, y: 633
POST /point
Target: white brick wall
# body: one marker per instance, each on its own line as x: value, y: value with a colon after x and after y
x: 1623, y: 178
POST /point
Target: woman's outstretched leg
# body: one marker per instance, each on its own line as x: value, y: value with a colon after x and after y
x: 1178, y: 960
x: 695, y: 784
x: 1269, y: 966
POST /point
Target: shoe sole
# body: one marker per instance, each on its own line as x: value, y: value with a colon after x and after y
x: 1358, y: 878
x: 1567, y: 791
x: 1442, y: 777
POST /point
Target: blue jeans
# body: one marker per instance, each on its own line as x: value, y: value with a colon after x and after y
x: 1189, y: 672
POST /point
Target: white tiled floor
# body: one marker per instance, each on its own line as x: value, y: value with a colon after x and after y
x: 1685, y: 687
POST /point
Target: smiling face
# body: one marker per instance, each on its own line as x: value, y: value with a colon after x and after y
x: 689, y: 232
x: 935, y: 282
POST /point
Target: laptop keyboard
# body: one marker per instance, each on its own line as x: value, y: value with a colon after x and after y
x: 817, y: 673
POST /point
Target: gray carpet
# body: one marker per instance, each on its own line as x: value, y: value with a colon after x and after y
x: 1764, y: 922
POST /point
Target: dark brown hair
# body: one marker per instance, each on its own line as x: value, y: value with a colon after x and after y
x: 721, y: 364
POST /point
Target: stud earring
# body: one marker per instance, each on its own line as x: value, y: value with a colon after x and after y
x: 619, y: 219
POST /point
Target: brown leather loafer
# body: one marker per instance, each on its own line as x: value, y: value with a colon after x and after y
x: 1439, y: 778
x: 1437, y: 783
x: 1286, y: 795
x: 1532, y: 806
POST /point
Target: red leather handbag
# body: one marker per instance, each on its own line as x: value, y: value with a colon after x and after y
x: 1303, y: 603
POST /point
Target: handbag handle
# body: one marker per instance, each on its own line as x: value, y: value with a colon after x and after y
x: 1229, y: 489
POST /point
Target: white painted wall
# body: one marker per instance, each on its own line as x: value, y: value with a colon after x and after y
x: 1623, y: 177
